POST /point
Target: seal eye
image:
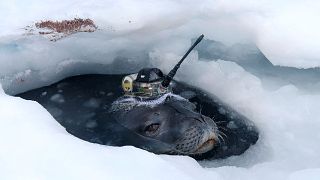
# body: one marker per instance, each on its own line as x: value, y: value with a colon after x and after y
x: 152, y: 129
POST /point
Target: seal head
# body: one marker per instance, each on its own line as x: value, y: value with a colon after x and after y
x: 168, y: 124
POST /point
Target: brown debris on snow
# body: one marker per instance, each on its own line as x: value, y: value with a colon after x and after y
x: 56, y: 30
x: 68, y: 26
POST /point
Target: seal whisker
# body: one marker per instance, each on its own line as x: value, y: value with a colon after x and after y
x: 220, y: 122
x: 202, y: 118
x: 222, y: 128
x: 225, y: 129
x: 221, y: 133
x: 200, y: 110
x: 220, y: 138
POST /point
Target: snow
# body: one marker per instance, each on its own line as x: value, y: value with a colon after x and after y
x: 35, y: 146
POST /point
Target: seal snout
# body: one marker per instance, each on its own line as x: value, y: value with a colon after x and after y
x: 200, y: 138
x: 209, y: 140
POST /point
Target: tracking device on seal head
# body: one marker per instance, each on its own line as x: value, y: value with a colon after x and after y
x: 151, y: 82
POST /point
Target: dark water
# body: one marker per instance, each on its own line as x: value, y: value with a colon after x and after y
x: 78, y: 102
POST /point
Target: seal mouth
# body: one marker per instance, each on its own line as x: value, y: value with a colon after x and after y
x: 206, y: 146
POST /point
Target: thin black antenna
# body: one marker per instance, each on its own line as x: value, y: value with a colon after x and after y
x: 169, y: 77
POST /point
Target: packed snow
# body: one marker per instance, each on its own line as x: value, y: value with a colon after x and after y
x: 135, y: 34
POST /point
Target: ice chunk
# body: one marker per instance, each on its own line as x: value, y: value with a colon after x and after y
x: 92, y: 103
x: 57, y: 98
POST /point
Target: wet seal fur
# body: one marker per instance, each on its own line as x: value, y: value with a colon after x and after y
x: 189, y: 122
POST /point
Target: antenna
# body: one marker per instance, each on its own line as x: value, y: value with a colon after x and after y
x: 169, y: 77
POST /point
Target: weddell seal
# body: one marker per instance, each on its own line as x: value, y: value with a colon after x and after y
x: 154, y: 114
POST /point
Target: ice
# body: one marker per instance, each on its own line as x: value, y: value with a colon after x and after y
x: 44, y: 93
x: 92, y: 103
x: 231, y: 125
x: 132, y: 35
x: 57, y: 98
x: 91, y: 124
x: 249, y: 57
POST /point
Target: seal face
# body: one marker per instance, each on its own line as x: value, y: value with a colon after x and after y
x: 171, y: 120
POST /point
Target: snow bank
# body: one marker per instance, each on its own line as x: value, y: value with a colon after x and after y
x: 132, y: 35
x: 35, y: 146
x: 286, y: 31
